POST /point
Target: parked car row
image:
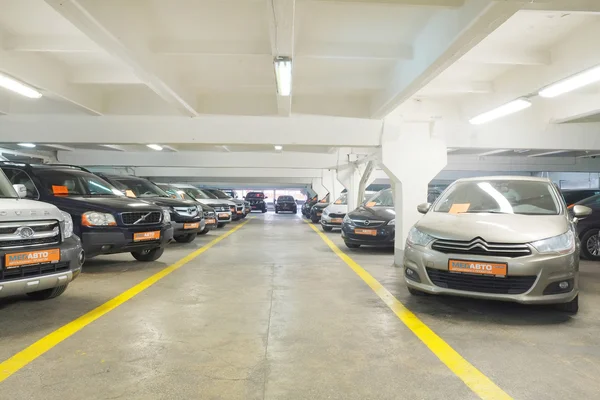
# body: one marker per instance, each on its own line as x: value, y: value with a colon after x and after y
x: 53, y: 217
x: 512, y: 239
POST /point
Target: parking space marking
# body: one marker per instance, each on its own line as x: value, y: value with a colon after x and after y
x: 24, y: 357
x: 471, y: 376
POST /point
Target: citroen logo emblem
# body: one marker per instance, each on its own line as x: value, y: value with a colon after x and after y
x: 25, y: 232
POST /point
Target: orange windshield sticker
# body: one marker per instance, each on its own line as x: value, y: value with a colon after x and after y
x: 129, y: 193
x: 370, y: 204
x: 459, y: 208
x: 60, y: 190
x: 338, y: 202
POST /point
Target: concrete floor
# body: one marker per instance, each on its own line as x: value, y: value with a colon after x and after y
x: 271, y: 313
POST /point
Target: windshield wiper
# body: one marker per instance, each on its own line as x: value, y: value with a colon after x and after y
x: 487, y: 212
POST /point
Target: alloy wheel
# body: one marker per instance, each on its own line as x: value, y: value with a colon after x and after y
x: 593, y: 245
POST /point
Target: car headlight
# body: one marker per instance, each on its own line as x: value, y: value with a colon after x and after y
x: 94, y: 218
x: 347, y: 220
x: 416, y: 237
x: 166, y: 215
x: 325, y: 212
x: 562, y: 244
x: 392, y: 222
x: 68, y: 225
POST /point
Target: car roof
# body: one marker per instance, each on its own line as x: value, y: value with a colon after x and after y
x: 505, y: 178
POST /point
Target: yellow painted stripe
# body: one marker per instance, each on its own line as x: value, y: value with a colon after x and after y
x: 471, y: 376
x: 24, y: 357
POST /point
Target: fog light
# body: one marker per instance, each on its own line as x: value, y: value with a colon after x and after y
x: 412, y: 274
x: 560, y: 287
x: 563, y: 285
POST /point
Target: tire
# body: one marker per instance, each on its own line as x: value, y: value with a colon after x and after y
x: 416, y: 292
x: 590, y: 245
x: 314, y: 219
x: 148, y: 255
x: 264, y: 210
x: 186, y: 238
x: 352, y: 245
x: 220, y: 224
x: 276, y: 211
x: 295, y: 211
x: 326, y: 228
x: 204, y: 231
x: 571, y: 307
x: 47, y: 294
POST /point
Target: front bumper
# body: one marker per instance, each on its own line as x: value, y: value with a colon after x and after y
x: 543, y: 270
x: 179, y: 228
x: 112, y: 240
x: 223, y: 217
x: 327, y: 221
x: 47, y: 276
x: 384, y: 238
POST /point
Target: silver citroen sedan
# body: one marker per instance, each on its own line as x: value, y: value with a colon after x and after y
x: 497, y: 238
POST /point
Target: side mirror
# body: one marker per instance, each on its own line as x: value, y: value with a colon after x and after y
x: 580, y: 212
x: 21, y: 190
x: 423, y: 208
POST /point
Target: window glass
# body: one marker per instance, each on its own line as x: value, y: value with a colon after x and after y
x: 385, y: 198
x: 142, y: 187
x: 499, y: 196
x: 67, y: 182
x: 255, y: 196
x: 20, y: 177
x: 285, y: 198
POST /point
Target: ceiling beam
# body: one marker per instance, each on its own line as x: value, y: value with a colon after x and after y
x: 548, y: 153
x: 426, y: 3
x: 97, y: 21
x: 20, y: 153
x: 448, y: 36
x: 507, y: 57
x: 492, y: 152
x: 50, y: 44
x: 350, y: 51
x: 104, y: 75
x: 50, y: 77
x: 446, y: 87
x: 573, y: 6
x: 114, y: 147
x: 280, y: 16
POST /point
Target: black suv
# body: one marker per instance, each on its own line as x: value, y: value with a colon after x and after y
x: 106, y: 221
x: 286, y: 203
x: 186, y: 215
x: 257, y: 201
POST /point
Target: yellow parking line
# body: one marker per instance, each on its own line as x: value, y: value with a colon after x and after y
x: 471, y: 376
x: 24, y: 357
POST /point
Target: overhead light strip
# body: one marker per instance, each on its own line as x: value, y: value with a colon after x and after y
x: 283, y: 75
x: 571, y: 83
x: 18, y: 87
x: 155, y: 147
x: 502, y: 111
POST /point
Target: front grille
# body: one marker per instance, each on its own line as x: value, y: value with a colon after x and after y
x: 480, y: 247
x: 240, y: 208
x: 220, y: 208
x: 481, y: 283
x: 141, y: 217
x: 29, y: 233
x: 33, y: 270
x: 331, y: 215
x: 367, y: 223
x: 186, y: 211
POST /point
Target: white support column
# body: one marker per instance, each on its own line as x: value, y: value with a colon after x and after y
x: 317, y: 186
x: 366, y: 179
x: 350, y: 176
x: 331, y: 183
x: 412, y: 156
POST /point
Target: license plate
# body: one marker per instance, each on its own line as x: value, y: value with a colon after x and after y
x: 16, y: 260
x: 191, y: 225
x: 223, y: 215
x: 145, y: 236
x: 211, y: 221
x: 319, y: 214
x: 478, y: 267
x: 336, y: 220
x: 370, y: 232
x: 240, y: 212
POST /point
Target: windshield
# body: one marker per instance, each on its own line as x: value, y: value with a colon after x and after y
x: 343, y: 199
x: 6, y: 189
x: 218, y: 193
x: 384, y: 198
x: 282, y: 199
x: 142, y: 187
x: 196, y: 193
x: 72, y: 182
x: 499, y: 196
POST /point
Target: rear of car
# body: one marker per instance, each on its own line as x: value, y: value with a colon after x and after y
x: 39, y: 254
x: 106, y: 221
x: 286, y: 204
x: 497, y: 238
x: 257, y: 201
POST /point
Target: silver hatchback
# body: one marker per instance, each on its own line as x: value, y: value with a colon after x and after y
x: 497, y: 238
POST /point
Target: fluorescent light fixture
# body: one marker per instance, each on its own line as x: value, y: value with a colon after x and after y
x: 283, y: 75
x: 502, y: 111
x: 155, y: 147
x: 18, y: 87
x: 28, y: 145
x: 278, y: 148
x: 571, y: 83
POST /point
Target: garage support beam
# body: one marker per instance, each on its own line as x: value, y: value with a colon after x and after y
x: 103, y: 24
x: 411, y: 158
x: 317, y: 187
x: 353, y: 176
x: 448, y: 36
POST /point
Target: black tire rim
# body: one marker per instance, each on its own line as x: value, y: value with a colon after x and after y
x: 593, y: 245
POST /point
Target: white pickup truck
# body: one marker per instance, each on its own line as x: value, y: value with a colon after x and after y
x: 39, y: 254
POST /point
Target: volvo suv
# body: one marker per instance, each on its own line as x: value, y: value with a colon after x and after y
x: 106, y: 221
x: 39, y: 254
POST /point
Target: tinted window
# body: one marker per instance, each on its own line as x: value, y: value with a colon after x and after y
x: 255, y: 196
x: 66, y: 182
x: 218, y: 193
x: 591, y: 201
x: 285, y: 198
x: 142, y: 187
x: 575, y: 196
x: 385, y: 198
x: 500, y: 196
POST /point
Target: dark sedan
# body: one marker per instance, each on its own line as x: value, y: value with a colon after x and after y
x: 573, y: 196
x: 317, y: 210
x: 588, y: 229
x: 371, y: 224
x: 286, y: 203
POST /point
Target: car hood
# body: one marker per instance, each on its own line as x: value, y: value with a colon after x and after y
x: 337, y: 208
x: 28, y: 210
x: 168, y: 202
x: 373, y: 213
x: 216, y: 202
x: 114, y: 204
x: 321, y: 205
x: 493, y: 228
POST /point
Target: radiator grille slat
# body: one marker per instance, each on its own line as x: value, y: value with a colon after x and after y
x: 480, y: 247
x: 481, y: 283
